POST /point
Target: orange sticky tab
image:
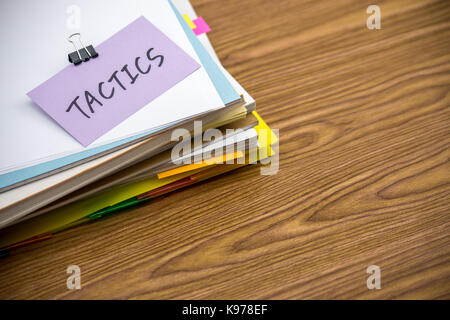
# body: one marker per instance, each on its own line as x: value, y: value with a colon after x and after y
x: 205, y: 163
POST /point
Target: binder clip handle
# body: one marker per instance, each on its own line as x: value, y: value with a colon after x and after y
x: 82, y: 54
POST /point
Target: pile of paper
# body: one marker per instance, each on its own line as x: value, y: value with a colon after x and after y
x: 153, y: 113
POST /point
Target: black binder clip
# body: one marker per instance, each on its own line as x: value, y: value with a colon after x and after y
x: 83, y: 54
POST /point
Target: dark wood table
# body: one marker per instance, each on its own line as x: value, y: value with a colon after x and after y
x: 363, y: 180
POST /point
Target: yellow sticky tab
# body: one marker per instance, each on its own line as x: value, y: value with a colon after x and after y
x: 266, y: 137
x: 189, y: 21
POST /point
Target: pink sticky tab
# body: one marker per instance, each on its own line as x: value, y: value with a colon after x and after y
x: 202, y: 26
x: 134, y: 67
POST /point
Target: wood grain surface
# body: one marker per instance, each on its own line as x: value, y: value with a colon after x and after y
x: 364, y: 175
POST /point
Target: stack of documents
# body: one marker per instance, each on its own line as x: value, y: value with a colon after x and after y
x: 142, y: 107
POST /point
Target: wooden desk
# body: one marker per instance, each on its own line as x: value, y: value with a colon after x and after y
x: 364, y: 173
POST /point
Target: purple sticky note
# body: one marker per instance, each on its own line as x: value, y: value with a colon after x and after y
x: 134, y: 66
x: 201, y: 26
